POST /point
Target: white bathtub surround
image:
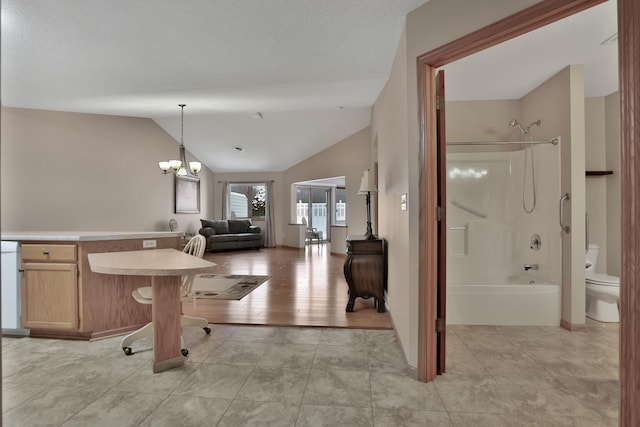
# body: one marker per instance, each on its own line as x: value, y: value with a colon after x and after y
x: 516, y: 304
x: 487, y: 283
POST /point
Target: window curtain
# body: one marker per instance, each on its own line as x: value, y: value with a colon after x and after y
x: 225, y: 200
x: 270, y: 232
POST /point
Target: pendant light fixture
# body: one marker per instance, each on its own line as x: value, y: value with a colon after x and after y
x: 179, y: 166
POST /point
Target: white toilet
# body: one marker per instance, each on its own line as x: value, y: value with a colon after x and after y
x: 602, y: 291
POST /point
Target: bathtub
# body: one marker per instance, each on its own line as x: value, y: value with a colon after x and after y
x: 519, y: 303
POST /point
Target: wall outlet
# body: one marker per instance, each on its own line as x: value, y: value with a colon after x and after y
x: 148, y: 243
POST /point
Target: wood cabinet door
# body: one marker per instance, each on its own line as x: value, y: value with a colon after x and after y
x: 50, y: 295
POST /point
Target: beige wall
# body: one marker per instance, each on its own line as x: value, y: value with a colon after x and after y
x: 389, y: 118
x: 565, y: 117
x: 427, y: 28
x: 603, y: 192
x: 86, y: 172
x: 89, y: 172
x: 612, y: 138
x: 349, y: 158
x: 475, y: 121
x: 596, y: 186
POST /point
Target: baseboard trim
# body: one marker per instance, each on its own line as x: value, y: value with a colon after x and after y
x: 565, y: 324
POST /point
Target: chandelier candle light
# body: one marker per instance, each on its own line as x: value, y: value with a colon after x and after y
x: 178, y: 166
x: 368, y: 186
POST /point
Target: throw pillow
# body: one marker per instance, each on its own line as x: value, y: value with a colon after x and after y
x: 207, y: 231
x: 221, y: 226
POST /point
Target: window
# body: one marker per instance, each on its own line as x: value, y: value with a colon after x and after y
x: 340, y: 208
x: 247, y: 200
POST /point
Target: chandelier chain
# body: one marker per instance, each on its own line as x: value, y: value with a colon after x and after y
x: 182, y: 123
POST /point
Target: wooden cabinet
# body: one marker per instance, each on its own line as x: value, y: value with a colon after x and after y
x: 49, y: 286
x: 63, y: 298
x: 365, y: 269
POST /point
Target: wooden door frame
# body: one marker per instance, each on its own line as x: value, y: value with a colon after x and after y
x: 529, y: 19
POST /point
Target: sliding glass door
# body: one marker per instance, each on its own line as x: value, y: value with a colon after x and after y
x: 312, y: 205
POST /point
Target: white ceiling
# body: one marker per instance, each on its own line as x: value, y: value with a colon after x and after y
x: 512, y: 69
x: 311, y: 68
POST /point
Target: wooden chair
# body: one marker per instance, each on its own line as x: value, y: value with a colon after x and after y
x: 196, y: 247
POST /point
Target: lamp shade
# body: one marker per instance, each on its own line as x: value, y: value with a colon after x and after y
x: 195, y: 167
x: 367, y: 183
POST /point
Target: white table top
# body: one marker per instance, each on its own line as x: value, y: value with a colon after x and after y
x: 149, y: 262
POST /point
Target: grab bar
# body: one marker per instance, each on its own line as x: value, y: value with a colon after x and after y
x: 564, y: 198
x: 468, y: 209
x: 458, y: 227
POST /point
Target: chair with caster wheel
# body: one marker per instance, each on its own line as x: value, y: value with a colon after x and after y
x: 196, y: 247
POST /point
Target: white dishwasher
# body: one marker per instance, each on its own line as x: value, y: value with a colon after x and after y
x: 11, y: 308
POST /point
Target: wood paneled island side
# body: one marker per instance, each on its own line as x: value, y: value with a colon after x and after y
x: 63, y: 298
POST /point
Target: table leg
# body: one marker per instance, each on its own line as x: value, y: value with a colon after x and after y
x: 166, y: 323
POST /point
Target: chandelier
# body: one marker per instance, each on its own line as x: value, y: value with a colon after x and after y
x: 179, y: 166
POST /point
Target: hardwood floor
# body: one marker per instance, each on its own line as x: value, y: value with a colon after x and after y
x: 307, y: 288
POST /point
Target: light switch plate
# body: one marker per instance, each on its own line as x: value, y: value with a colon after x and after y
x: 403, y: 202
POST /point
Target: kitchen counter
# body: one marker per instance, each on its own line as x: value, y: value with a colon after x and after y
x: 85, y: 236
x: 63, y: 298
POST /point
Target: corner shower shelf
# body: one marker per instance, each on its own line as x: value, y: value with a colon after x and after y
x: 599, y: 173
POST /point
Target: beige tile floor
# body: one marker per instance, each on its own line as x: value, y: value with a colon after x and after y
x: 284, y: 376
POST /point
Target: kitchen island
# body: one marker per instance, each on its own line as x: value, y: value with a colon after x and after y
x: 63, y: 298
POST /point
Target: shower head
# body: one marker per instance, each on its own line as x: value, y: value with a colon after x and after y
x: 514, y: 123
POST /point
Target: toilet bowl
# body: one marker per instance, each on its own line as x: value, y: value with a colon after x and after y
x: 602, y: 290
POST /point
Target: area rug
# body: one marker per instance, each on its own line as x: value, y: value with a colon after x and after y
x: 216, y: 286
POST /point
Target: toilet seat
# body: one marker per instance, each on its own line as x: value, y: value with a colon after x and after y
x: 603, y: 280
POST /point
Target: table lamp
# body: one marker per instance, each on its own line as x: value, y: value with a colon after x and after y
x: 367, y: 186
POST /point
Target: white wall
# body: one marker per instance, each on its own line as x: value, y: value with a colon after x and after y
x: 87, y: 172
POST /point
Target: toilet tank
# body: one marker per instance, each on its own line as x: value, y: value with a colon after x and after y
x: 591, y: 258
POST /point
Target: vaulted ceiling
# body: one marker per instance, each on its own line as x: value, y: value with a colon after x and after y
x: 312, y: 69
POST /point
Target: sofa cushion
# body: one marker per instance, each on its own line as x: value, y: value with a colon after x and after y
x: 244, y: 237
x: 206, y: 223
x: 216, y: 238
x: 239, y: 225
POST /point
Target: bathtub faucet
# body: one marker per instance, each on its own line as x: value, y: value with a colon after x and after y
x: 528, y: 267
